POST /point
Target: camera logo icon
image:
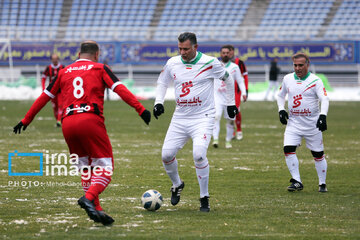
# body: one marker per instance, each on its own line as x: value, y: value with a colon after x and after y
x: 11, y: 156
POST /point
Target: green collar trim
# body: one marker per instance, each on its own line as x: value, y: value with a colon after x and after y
x: 228, y: 64
x: 194, y: 61
x: 304, y: 78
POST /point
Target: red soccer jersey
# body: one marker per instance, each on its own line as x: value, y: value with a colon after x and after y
x: 50, y: 71
x: 243, y: 71
x: 82, y: 87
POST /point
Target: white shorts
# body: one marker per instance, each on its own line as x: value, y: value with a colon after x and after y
x: 313, y: 142
x: 220, y: 110
x: 180, y: 130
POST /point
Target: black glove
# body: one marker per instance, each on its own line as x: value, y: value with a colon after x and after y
x: 321, y: 123
x: 17, y: 128
x: 247, y: 93
x: 158, y: 110
x: 232, y: 111
x: 146, y: 116
x: 283, y: 115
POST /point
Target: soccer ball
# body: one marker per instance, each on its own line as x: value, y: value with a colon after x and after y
x: 151, y: 200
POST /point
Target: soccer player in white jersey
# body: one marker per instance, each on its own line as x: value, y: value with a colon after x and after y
x: 305, y: 119
x: 220, y: 97
x: 193, y: 74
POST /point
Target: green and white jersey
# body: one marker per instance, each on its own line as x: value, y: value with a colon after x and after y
x: 303, y: 102
x: 193, y: 84
x: 220, y: 89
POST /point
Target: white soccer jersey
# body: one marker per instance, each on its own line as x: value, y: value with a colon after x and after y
x: 220, y: 86
x: 194, y: 85
x: 303, y: 102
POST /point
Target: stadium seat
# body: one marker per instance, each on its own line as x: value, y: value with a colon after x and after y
x: 206, y: 13
x: 111, y: 14
x: 345, y: 24
x: 292, y: 13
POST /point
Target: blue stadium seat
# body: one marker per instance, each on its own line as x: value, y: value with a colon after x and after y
x: 216, y: 13
x: 292, y: 14
x: 346, y: 23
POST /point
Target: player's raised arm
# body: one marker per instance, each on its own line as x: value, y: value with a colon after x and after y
x: 161, y: 88
x: 119, y: 88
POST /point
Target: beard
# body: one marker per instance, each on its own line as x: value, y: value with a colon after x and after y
x: 225, y: 59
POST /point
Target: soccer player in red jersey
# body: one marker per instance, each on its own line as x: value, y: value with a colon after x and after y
x: 82, y: 86
x: 244, y: 73
x: 51, y: 71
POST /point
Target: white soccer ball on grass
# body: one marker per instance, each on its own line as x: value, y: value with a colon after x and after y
x: 151, y: 200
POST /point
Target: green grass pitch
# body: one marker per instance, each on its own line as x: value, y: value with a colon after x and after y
x: 248, y: 183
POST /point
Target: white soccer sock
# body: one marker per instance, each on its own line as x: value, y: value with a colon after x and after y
x: 171, y: 169
x: 229, y: 129
x: 293, y: 165
x: 216, y: 129
x: 202, y: 169
x: 321, y: 169
x: 202, y: 172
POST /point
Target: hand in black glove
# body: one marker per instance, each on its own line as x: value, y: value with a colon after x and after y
x: 283, y: 115
x: 146, y: 116
x: 247, y: 93
x: 17, y: 128
x: 321, y: 123
x: 158, y: 110
x: 232, y: 111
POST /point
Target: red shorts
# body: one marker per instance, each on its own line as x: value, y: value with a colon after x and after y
x: 86, y: 136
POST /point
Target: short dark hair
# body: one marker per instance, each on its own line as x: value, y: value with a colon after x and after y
x: 89, y: 47
x: 54, y: 54
x: 301, y: 55
x: 188, y: 36
x: 228, y: 46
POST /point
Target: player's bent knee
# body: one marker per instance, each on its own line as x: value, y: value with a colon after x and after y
x: 168, y: 155
x: 199, y: 154
x: 289, y: 149
x: 317, y: 155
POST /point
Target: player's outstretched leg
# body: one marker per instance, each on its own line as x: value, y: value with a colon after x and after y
x: 171, y: 167
x: 99, y: 182
x: 86, y: 182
